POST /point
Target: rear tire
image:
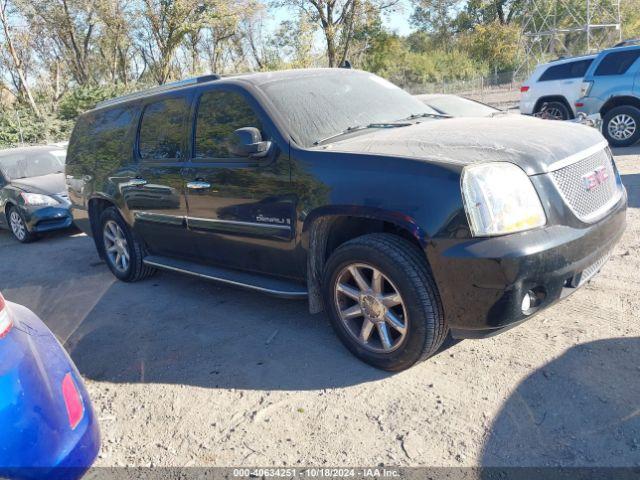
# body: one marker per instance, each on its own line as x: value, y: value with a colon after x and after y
x: 398, y: 320
x: 556, y: 110
x: 621, y: 126
x: 122, y: 250
x: 18, y: 226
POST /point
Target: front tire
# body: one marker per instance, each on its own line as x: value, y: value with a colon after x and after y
x: 383, y: 302
x: 18, y: 226
x: 621, y: 126
x: 123, y: 251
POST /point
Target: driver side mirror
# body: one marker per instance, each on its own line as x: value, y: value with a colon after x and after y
x: 247, y: 142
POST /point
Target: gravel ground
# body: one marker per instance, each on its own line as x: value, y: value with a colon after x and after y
x: 184, y: 372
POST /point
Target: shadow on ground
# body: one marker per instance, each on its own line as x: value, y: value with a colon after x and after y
x: 601, y: 426
x: 173, y: 328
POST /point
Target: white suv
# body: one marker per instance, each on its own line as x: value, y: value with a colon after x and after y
x: 556, y: 84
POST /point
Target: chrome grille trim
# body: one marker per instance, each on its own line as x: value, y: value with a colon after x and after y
x: 588, y: 205
x: 576, y: 157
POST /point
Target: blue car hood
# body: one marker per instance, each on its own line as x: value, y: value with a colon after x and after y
x: 34, y: 427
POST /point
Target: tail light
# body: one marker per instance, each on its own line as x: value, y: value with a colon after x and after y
x: 5, y: 320
x: 73, y: 401
x: 524, y: 88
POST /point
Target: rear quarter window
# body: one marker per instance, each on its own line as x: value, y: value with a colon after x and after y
x: 566, y: 70
x: 100, y: 140
x: 617, y: 63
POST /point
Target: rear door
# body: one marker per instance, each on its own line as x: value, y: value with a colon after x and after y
x: 241, y: 210
x: 155, y: 197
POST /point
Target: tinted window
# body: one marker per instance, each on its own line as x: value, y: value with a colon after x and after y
x: 617, y: 63
x: 100, y: 140
x: 566, y: 70
x: 161, y: 131
x: 219, y: 114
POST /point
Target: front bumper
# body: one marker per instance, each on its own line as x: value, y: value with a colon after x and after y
x: 46, y: 219
x: 482, y: 281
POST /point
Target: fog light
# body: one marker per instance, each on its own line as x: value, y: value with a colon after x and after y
x: 528, y: 300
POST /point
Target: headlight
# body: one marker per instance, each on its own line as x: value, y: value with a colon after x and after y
x: 499, y: 198
x: 37, y: 200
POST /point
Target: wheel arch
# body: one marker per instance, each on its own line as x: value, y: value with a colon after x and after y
x: 553, y: 98
x: 619, y: 101
x: 326, y: 229
x: 96, y: 206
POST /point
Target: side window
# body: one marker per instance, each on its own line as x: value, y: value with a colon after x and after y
x: 100, y: 138
x: 161, y: 131
x: 617, y: 63
x: 566, y: 71
x: 220, y: 113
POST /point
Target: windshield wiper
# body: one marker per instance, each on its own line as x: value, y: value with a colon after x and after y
x: 427, y: 115
x: 362, y: 127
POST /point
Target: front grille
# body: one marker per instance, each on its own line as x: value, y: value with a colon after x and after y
x: 588, y: 204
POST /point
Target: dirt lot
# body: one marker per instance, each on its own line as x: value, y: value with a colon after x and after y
x: 184, y: 372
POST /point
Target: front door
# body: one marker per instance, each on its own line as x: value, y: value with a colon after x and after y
x: 155, y: 197
x: 241, y: 211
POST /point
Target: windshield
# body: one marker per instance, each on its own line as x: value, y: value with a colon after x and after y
x: 321, y: 105
x: 25, y: 164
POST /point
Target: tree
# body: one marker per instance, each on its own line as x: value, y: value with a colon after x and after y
x: 337, y: 20
x: 436, y: 17
x: 494, y: 44
x: 16, y: 58
x: 70, y: 26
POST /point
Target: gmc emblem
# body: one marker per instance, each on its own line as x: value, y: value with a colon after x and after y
x: 593, y: 179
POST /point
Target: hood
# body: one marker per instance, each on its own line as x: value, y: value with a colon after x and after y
x: 531, y: 143
x: 52, y: 184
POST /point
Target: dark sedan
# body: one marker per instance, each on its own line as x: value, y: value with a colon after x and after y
x: 33, y: 194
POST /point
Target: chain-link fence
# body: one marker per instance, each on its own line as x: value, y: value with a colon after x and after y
x: 501, y: 90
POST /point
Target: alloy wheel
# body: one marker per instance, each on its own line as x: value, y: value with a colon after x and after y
x: 371, y: 308
x: 554, y: 113
x: 17, y: 225
x: 116, y: 246
x: 622, y: 126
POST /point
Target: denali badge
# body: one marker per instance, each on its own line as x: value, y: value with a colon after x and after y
x: 593, y: 179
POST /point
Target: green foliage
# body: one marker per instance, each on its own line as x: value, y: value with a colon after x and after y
x: 494, y: 45
x: 411, y: 61
x: 21, y: 126
x: 85, y: 98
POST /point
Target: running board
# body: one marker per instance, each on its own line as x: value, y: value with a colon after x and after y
x: 269, y: 285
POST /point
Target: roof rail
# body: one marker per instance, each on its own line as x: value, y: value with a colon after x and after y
x: 626, y: 43
x: 160, y: 88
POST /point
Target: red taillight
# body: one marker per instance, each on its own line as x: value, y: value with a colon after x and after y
x: 579, y: 104
x: 524, y: 88
x: 5, y: 319
x: 73, y: 401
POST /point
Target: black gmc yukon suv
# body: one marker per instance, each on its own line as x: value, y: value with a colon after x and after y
x: 402, y: 224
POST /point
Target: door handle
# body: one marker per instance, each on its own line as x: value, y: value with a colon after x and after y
x: 197, y: 185
x: 137, y: 182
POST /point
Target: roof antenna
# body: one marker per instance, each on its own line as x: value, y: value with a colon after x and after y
x: 345, y: 64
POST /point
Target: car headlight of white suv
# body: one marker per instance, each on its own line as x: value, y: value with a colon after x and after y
x: 499, y: 198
